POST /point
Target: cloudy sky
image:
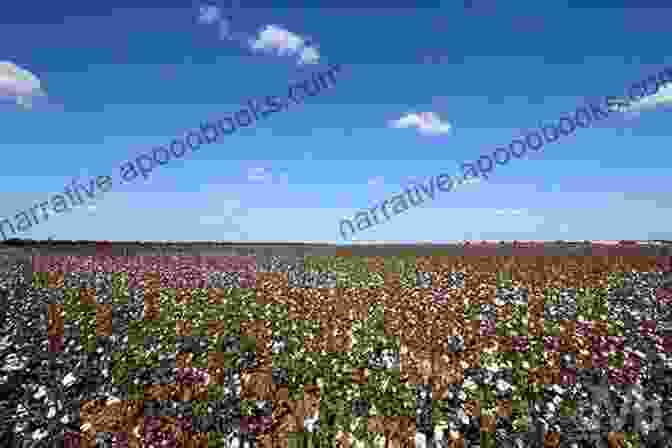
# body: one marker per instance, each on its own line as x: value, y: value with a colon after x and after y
x: 420, y: 91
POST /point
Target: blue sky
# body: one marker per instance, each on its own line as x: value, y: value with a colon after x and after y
x: 119, y: 82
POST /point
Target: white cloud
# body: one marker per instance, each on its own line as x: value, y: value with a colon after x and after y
x: 209, y: 14
x: 19, y: 84
x: 279, y: 39
x: 309, y: 55
x: 272, y: 39
x: 275, y: 39
x: 427, y: 123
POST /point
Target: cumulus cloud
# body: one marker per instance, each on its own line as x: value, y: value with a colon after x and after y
x: 271, y: 39
x: 276, y: 39
x: 427, y: 123
x: 19, y: 85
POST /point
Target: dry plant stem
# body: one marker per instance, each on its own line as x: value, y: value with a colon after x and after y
x: 421, y: 324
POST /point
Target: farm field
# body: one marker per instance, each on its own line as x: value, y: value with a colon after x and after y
x: 388, y: 350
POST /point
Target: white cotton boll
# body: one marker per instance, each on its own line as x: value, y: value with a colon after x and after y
x: 503, y: 386
x: 39, y: 434
x: 310, y: 423
x: 557, y: 389
x: 420, y: 440
x: 42, y: 391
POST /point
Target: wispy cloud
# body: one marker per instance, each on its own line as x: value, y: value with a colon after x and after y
x: 19, y: 85
x: 427, y: 123
x: 270, y: 39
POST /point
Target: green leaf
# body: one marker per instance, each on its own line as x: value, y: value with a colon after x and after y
x: 568, y: 408
x: 120, y: 292
x: 472, y: 311
x: 504, y: 279
x: 632, y: 440
x: 216, y: 440
x: 520, y: 415
x: 248, y: 343
x: 218, y: 392
x: 616, y: 328
x: 119, y: 368
x: 551, y: 327
x: 616, y: 360
x: 488, y: 440
x: 40, y: 279
x: 200, y: 407
x: 136, y: 391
